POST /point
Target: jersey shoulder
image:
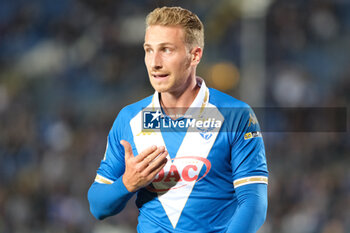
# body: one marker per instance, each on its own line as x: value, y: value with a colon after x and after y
x: 223, y: 100
x: 236, y: 112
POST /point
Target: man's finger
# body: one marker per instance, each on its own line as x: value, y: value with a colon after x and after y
x: 143, y: 164
x: 145, y: 153
x: 155, y: 154
x: 161, y: 162
x: 158, y: 162
x: 127, y: 148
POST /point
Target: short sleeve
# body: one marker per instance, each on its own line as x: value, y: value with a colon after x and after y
x: 248, y: 158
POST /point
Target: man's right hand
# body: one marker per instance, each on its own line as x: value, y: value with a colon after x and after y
x: 140, y: 170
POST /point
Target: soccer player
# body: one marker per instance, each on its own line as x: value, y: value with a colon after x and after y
x: 193, y: 155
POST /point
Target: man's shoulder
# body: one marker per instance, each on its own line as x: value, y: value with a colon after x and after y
x: 223, y: 100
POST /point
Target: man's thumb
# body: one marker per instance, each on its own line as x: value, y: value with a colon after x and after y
x: 127, y: 148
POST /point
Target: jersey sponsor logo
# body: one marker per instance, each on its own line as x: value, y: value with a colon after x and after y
x: 251, y: 135
x: 181, y: 172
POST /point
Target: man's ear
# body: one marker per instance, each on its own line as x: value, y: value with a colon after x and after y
x: 196, y: 55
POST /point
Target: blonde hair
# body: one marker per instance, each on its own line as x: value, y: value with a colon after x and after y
x: 177, y: 16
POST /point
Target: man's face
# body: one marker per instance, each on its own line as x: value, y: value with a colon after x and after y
x: 167, y: 58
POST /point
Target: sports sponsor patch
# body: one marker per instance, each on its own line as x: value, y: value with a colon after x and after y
x: 250, y: 135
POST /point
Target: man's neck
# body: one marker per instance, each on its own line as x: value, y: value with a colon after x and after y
x: 177, y: 103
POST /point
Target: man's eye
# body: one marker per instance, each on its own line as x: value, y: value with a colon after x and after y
x: 167, y: 50
x: 148, y: 50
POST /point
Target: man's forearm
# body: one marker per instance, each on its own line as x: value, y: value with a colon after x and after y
x: 108, y: 199
x: 251, y: 211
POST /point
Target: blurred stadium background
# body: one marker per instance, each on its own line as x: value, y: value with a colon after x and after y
x: 67, y: 67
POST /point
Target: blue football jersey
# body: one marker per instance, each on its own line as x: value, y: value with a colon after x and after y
x: 214, y: 148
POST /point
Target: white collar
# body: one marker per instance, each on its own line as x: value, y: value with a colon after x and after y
x: 198, y: 104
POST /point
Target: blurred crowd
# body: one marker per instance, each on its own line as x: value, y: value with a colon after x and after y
x: 67, y: 67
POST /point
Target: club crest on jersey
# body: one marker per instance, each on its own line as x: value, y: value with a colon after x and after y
x: 180, y: 172
x: 205, y: 132
x: 206, y: 135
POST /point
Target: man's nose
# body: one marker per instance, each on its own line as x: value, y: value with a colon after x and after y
x: 156, y: 61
